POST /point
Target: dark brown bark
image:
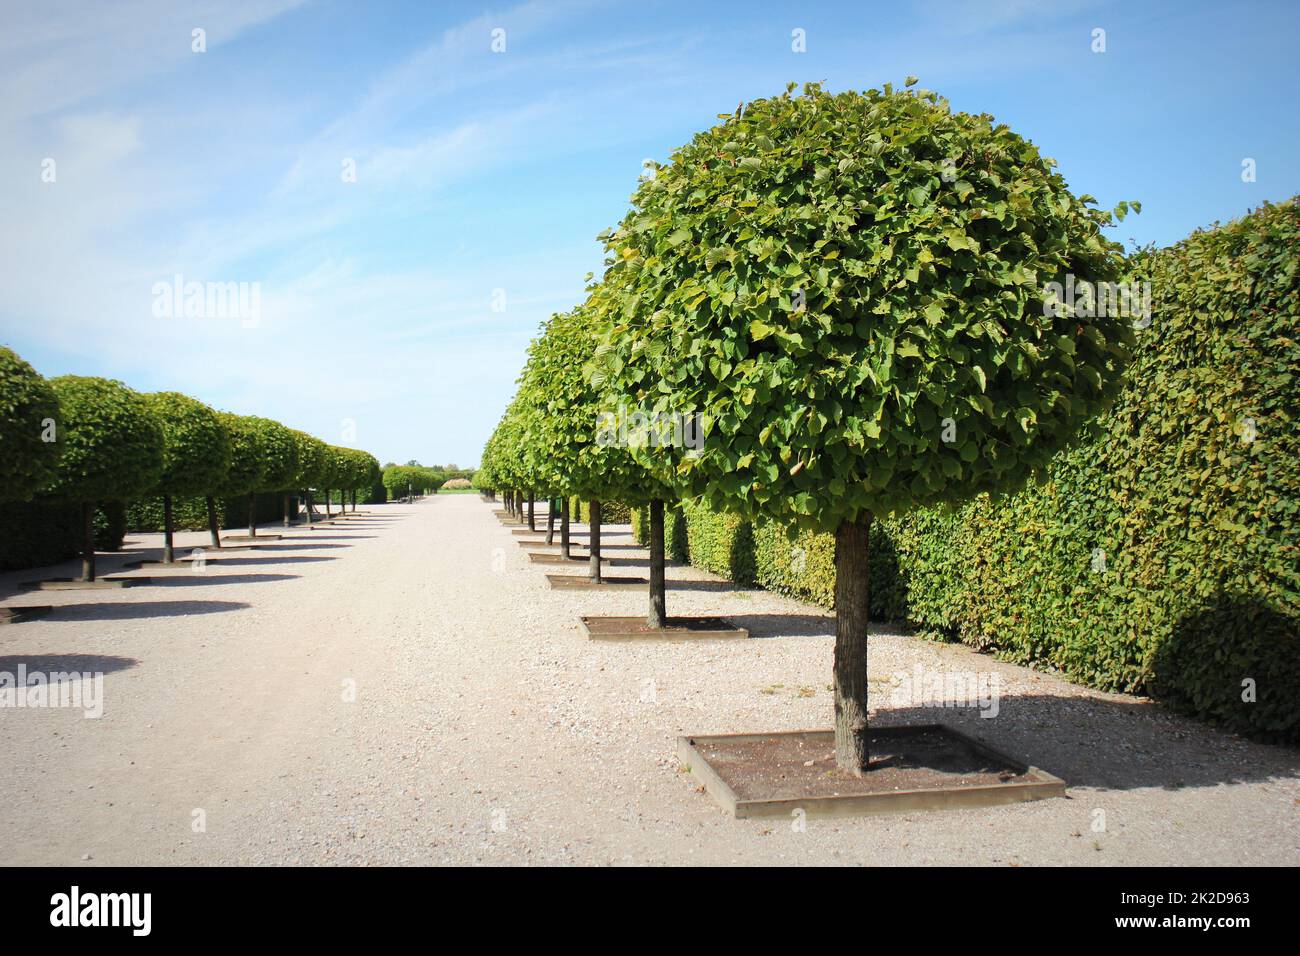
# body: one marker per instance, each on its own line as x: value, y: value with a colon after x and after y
x: 328, y: 514
x: 532, y: 509
x: 594, y: 524
x: 214, y: 530
x: 168, y: 554
x: 285, y: 521
x: 550, y: 521
x: 354, y: 500
x: 252, y: 515
x: 564, y: 528
x: 87, y: 541
x: 658, y: 603
x: 309, y: 506
x: 852, y: 607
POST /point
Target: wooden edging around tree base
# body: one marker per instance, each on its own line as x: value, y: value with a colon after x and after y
x: 72, y: 584
x: 605, y: 628
x: 580, y: 582
x: 1032, y: 783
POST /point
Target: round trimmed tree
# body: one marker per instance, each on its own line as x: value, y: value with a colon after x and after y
x: 244, y: 476
x: 196, y: 453
x: 309, y: 453
x: 279, y: 450
x: 29, y: 446
x: 851, y: 290
x: 112, y: 450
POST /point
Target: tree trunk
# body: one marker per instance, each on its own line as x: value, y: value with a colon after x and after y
x: 593, y: 522
x: 328, y: 514
x: 550, y: 521
x: 285, y: 522
x: 252, y: 515
x: 532, y: 512
x: 354, y: 501
x: 658, y: 603
x: 309, y: 507
x: 214, y: 530
x: 564, y: 528
x: 168, y: 554
x: 852, y: 589
x: 87, y: 541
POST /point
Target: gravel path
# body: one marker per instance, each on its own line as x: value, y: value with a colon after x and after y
x: 487, y: 729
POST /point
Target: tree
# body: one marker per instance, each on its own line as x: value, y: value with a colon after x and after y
x: 196, y: 453
x: 850, y: 290
x: 311, y: 462
x: 571, y: 449
x: 247, y: 462
x: 279, y: 451
x: 112, y: 450
x: 28, y: 429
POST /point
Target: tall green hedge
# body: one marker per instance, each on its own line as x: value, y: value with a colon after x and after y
x: 46, y: 531
x: 1162, y: 553
x: 191, y: 514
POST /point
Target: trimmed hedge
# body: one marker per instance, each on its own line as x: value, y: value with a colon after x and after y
x: 44, y: 531
x: 611, y: 512
x: 763, y: 553
x: 191, y: 514
x: 1161, y: 554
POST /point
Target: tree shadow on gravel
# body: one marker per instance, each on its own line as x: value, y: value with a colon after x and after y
x: 140, y: 610
x: 273, y: 559
x: 293, y: 547
x: 1107, y: 744
x: 203, y: 577
x: 780, y: 625
x: 62, y: 663
x: 711, y: 586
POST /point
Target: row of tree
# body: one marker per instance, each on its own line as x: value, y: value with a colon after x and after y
x: 413, y: 480
x: 87, y: 440
x: 846, y: 295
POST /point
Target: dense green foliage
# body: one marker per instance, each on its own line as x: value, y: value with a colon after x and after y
x: 196, y: 450
x: 245, y: 471
x: 279, y: 450
x: 191, y: 514
x: 112, y: 444
x: 766, y: 553
x: 401, y: 480
x: 28, y: 458
x: 45, y: 531
x: 855, y: 331
x: 1161, y: 554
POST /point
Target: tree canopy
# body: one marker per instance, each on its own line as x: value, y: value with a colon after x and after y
x: 849, y: 290
x: 29, y: 454
x: 196, y: 449
x: 112, y: 443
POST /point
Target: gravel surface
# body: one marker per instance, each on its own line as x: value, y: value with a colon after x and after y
x: 485, y: 728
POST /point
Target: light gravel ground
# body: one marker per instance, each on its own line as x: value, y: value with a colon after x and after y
x: 487, y: 729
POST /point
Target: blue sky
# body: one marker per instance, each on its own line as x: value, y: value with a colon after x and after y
x: 397, y: 308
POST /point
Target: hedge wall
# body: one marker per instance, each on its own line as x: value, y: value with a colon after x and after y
x: 1161, y: 554
x: 611, y: 512
x: 41, y: 532
x: 191, y: 514
x: 762, y: 553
